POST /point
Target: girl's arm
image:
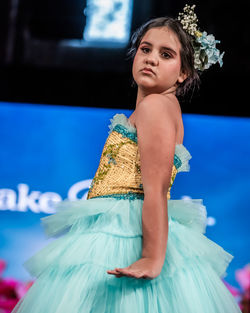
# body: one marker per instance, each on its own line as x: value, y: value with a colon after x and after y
x: 156, y: 132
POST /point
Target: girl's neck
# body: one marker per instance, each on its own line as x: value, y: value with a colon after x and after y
x: 141, y: 94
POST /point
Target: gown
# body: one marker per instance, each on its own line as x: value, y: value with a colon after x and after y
x: 104, y: 231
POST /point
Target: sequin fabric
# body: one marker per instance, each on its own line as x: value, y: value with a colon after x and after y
x: 119, y: 173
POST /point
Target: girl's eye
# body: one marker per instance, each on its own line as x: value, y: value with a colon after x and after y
x: 166, y: 55
x: 144, y: 49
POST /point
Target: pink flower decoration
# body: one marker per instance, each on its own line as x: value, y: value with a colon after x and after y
x: 11, y: 290
x: 243, y: 277
x: 22, y: 288
x: 2, y: 266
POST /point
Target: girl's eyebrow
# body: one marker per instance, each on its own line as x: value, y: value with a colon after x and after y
x: 166, y: 48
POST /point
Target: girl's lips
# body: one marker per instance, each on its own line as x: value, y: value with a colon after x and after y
x: 147, y: 70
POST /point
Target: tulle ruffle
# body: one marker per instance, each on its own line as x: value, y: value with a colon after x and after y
x: 92, y: 236
x: 90, y: 225
x: 121, y: 119
x: 87, y: 288
x: 185, y: 156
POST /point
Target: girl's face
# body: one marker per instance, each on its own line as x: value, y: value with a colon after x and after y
x: 159, y: 51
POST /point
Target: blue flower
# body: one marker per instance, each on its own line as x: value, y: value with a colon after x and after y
x: 208, y: 46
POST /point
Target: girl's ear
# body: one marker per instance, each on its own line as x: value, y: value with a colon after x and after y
x: 182, y: 77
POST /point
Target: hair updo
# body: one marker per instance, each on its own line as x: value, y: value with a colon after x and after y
x: 186, y: 51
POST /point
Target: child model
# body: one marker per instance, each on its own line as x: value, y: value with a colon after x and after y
x: 130, y: 248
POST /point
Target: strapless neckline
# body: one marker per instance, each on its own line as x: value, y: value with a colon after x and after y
x: 180, y: 150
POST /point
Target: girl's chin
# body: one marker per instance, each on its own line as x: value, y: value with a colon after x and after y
x: 146, y: 84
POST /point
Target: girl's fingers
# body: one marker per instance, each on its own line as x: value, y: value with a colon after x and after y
x: 129, y: 273
x: 119, y: 272
x: 114, y: 272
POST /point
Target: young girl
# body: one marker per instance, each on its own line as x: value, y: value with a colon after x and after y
x: 129, y: 247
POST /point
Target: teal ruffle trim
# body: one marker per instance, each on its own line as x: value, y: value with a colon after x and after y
x: 129, y: 195
x: 121, y: 119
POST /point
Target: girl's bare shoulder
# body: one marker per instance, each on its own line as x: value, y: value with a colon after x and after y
x: 168, y: 100
x: 164, y: 106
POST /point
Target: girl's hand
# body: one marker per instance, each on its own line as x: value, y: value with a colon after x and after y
x: 146, y: 268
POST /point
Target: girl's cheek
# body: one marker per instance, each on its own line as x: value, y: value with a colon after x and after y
x: 135, y: 63
x: 135, y: 59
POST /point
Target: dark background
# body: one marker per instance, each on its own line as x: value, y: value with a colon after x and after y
x: 37, y: 66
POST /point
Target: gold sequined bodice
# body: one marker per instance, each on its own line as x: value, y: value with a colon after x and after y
x: 119, y: 171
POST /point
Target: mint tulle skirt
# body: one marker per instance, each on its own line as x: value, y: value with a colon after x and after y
x: 95, y: 235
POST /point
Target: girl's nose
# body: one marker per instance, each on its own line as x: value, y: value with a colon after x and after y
x: 151, y: 59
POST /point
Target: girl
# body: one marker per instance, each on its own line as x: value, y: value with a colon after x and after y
x: 129, y: 247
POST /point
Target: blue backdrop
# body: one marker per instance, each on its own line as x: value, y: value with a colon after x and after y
x: 49, y: 153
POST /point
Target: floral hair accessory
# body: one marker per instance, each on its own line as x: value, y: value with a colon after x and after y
x: 205, y: 51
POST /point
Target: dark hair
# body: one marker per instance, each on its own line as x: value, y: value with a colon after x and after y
x: 186, y: 51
